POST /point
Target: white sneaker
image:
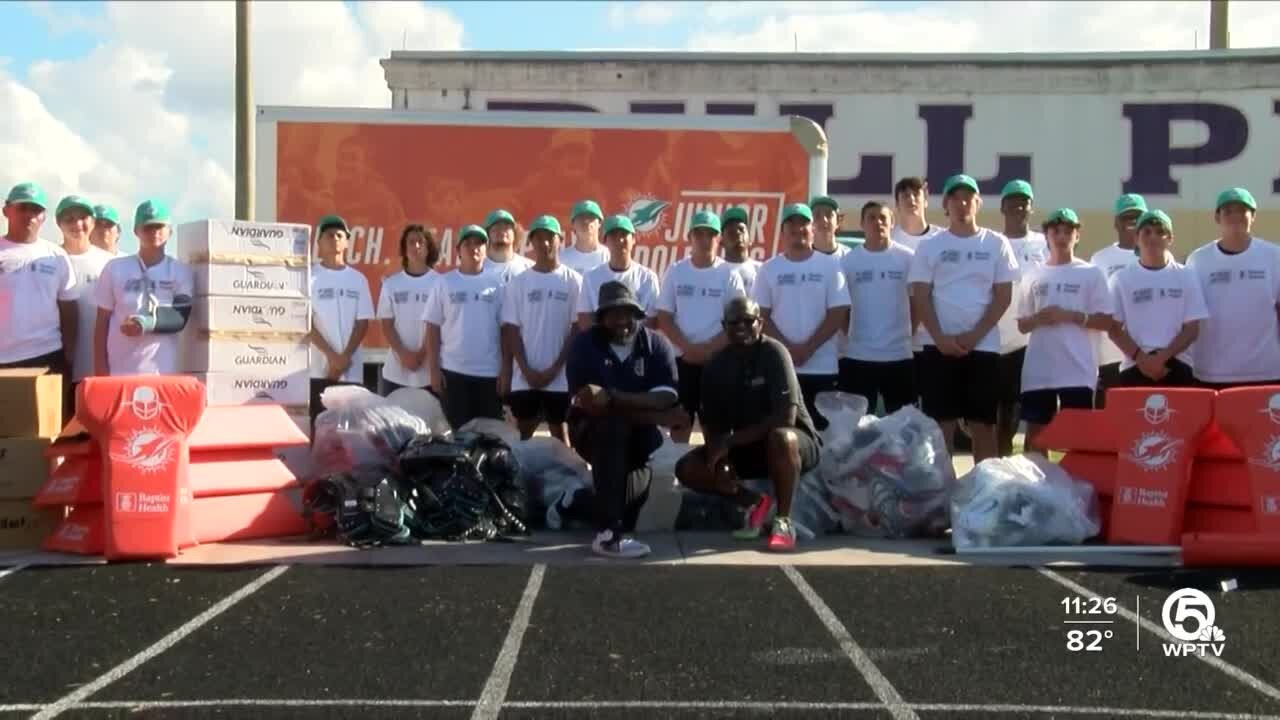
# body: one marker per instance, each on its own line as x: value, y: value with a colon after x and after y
x: 628, y: 548
x: 554, y: 521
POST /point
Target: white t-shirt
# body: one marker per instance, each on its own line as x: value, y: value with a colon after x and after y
x: 962, y: 271
x: 798, y: 296
x: 642, y: 281
x: 544, y: 306
x: 1062, y: 355
x: 912, y: 242
x: 339, y: 299
x: 88, y: 267
x: 838, y: 253
x: 403, y: 298
x: 880, y: 315
x: 1240, y: 340
x: 509, y: 269
x: 747, y: 270
x: 1112, y: 259
x: 126, y: 288
x: 34, y: 278
x: 582, y: 262
x: 1031, y: 251
x: 467, y: 309
x: 696, y: 297
x: 1153, y: 305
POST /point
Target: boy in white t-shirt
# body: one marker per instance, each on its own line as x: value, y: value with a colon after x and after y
x: 690, y: 308
x: 502, y: 256
x: 1112, y: 259
x: 402, y: 301
x: 539, y: 316
x: 962, y: 282
x: 144, y: 302
x: 1061, y: 304
x: 1239, y: 342
x: 1030, y: 250
x: 75, y: 218
x: 620, y: 238
x: 735, y: 242
x: 464, y: 348
x: 804, y: 305
x: 878, y: 362
x: 826, y: 222
x: 1158, y: 308
x: 38, y: 316
x: 106, y: 229
x: 587, y: 251
x: 911, y: 198
x: 341, y: 308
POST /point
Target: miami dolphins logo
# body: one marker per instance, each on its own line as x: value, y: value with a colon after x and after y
x: 1270, y: 457
x: 646, y: 213
x: 1154, y: 451
x: 147, y: 451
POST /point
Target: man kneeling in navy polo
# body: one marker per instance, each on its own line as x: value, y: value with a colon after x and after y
x: 622, y: 378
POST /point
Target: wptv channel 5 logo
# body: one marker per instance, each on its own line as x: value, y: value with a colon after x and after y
x: 1189, y: 617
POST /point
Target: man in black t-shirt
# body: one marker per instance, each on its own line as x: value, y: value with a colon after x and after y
x: 755, y: 424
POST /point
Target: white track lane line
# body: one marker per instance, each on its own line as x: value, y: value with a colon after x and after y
x: 495, y: 688
x: 1116, y: 712
x: 880, y: 685
x: 1213, y: 661
x: 6, y: 572
x: 83, y: 692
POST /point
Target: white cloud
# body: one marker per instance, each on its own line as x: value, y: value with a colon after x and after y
x: 150, y: 110
x: 650, y: 14
x: 1040, y: 27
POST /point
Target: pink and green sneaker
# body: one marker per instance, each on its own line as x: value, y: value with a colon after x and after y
x: 757, y: 517
x: 783, y: 536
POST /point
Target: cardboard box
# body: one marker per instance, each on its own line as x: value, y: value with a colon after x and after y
x: 206, y: 240
x: 275, y: 354
x: 32, y: 403
x: 24, y: 527
x: 252, y: 280
x: 23, y: 467
x: 252, y: 315
x: 290, y: 389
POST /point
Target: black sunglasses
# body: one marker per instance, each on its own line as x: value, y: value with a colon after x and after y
x: 748, y: 320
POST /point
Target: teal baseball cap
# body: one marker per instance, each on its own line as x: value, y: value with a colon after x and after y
x: 498, y: 216
x: 824, y: 200
x: 734, y: 214
x: 959, y: 181
x: 106, y: 213
x: 1017, y: 187
x: 586, y: 207
x: 73, y: 201
x: 473, y: 231
x: 705, y: 219
x: 331, y: 221
x: 1130, y: 202
x: 545, y: 222
x: 1159, y: 217
x: 618, y: 222
x: 797, y: 210
x: 1063, y: 216
x: 27, y: 192
x: 152, y: 212
x: 1236, y: 195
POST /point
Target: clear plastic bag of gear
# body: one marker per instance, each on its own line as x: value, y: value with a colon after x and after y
x: 360, y: 429
x: 1022, y: 501
x: 465, y: 487
x: 363, y: 508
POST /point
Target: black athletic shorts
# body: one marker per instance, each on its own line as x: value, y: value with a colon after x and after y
x: 752, y: 461
x: 1108, y: 377
x: 894, y: 381
x: 810, y: 386
x: 547, y: 405
x: 1228, y: 386
x: 689, y: 385
x: 1179, y: 375
x: 1039, y: 406
x: 467, y: 397
x: 1010, y: 384
x: 954, y: 388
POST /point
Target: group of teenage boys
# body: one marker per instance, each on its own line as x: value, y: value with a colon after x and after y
x: 989, y: 328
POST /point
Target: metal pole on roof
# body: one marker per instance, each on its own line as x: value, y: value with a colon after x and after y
x: 1219, y: 36
x: 244, y: 116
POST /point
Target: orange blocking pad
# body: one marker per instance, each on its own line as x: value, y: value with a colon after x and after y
x: 1219, y: 483
x: 1251, y: 417
x: 1231, y: 549
x: 1157, y: 431
x: 239, y: 472
x: 246, y: 426
x: 141, y: 424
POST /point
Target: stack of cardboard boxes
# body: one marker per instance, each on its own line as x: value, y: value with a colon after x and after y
x: 247, y: 339
x: 32, y: 417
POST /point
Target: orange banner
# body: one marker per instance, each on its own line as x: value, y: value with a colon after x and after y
x: 380, y: 177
